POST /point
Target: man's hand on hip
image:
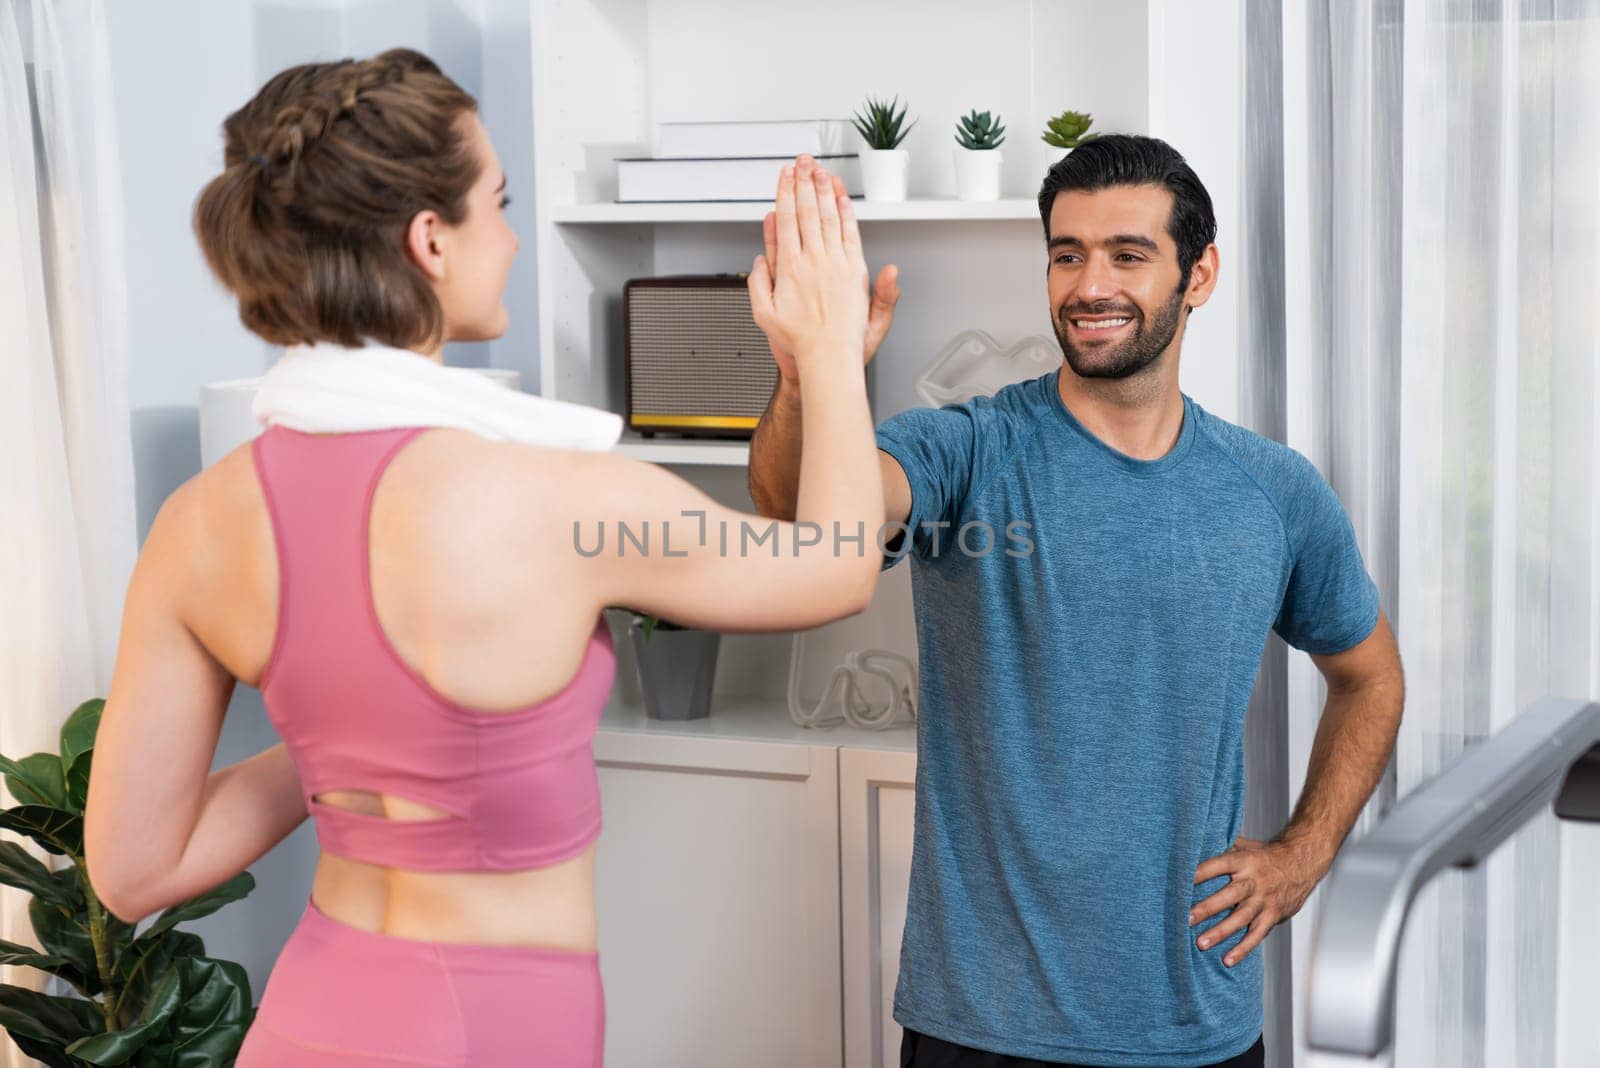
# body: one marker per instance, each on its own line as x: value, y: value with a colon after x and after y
x: 1269, y: 882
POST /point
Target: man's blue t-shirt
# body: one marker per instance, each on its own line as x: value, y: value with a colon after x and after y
x: 1080, y: 738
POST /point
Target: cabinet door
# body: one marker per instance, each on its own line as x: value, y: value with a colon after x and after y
x: 875, y: 818
x: 718, y: 895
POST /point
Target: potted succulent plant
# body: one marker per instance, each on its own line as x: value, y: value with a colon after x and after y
x: 978, y: 159
x: 1066, y: 132
x: 676, y: 666
x: 146, y: 1000
x: 884, y: 164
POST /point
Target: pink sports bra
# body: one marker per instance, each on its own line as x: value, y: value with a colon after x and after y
x: 520, y: 787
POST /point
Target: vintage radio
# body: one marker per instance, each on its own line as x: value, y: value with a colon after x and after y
x: 696, y: 363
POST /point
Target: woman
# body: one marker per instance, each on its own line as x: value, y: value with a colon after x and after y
x: 412, y: 601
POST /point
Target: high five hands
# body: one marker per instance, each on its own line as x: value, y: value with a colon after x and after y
x: 804, y: 190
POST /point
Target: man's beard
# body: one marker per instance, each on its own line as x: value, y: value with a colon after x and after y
x: 1141, y: 348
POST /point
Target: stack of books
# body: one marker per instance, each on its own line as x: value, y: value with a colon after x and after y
x: 702, y: 161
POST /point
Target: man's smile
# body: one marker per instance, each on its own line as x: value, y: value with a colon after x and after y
x: 1099, y: 327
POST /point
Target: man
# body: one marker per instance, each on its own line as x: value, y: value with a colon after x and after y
x: 1079, y: 891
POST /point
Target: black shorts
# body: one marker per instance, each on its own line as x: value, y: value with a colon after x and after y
x: 923, y: 1051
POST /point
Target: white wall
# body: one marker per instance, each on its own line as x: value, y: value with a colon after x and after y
x: 176, y: 78
x: 1196, y: 105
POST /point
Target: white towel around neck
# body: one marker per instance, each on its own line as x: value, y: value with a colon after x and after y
x: 326, y: 388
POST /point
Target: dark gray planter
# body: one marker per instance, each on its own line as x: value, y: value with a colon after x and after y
x: 675, y: 670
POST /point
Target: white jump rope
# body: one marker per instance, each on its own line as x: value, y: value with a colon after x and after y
x: 843, y: 700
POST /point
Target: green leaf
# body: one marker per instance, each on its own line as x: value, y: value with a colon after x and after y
x: 57, y: 831
x: 980, y: 130
x: 208, y: 1006
x: 65, y: 934
x: 154, y: 1020
x: 47, y: 1017
x: 880, y: 127
x: 12, y: 953
x: 78, y: 782
x: 151, y: 1022
x: 36, y: 780
x: 53, y: 1054
x: 204, y: 905
x: 78, y: 732
x: 118, y: 1047
x: 649, y: 623
x: 23, y: 870
x: 1067, y: 129
x: 144, y: 962
x: 77, y: 749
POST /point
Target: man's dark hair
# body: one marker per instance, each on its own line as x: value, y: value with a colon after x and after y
x: 1129, y: 159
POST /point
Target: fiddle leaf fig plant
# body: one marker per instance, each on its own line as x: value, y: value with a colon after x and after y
x: 1069, y: 130
x: 146, y: 999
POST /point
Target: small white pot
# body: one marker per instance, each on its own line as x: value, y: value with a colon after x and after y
x: 978, y: 173
x: 883, y: 173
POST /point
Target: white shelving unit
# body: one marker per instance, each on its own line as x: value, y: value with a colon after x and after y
x: 678, y: 451
x: 750, y: 719
x: 733, y: 841
x: 927, y: 209
x: 607, y: 71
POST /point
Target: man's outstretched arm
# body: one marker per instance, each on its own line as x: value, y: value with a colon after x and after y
x: 774, y: 472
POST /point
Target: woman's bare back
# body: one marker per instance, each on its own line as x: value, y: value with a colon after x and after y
x: 463, y: 601
x: 480, y: 586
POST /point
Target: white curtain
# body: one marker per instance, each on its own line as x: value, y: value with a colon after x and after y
x: 1441, y: 245
x: 66, y: 465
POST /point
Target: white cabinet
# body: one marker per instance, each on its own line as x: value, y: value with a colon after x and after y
x: 722, y: 908
x: 875, y: 821
x: 718, y: 896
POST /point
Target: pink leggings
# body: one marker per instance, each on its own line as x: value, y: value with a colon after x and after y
x: 339, y: 995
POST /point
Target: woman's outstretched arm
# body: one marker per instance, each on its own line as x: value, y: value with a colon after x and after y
x: 699, y: 563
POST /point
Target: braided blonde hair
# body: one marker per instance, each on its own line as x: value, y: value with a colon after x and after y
x: 325, y: 169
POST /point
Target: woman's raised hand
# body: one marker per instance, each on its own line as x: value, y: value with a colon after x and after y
x: 813, y: 305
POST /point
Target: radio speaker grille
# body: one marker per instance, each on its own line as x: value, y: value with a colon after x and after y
x: 697, y: 364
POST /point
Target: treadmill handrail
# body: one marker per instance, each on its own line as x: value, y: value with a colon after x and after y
x: 1455, y: 819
